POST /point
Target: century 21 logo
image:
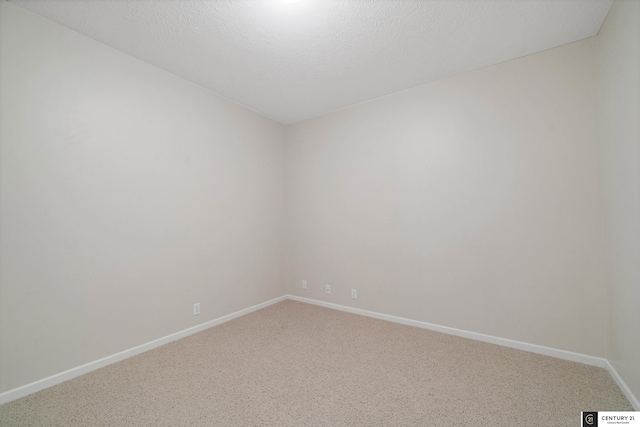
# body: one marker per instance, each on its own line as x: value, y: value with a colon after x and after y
x: 590, y: 419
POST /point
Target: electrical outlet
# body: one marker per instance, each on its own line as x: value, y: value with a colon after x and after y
x: 304, y: 284
x: 196, y: 308
x: 354, y: 293
x: 327, y: 289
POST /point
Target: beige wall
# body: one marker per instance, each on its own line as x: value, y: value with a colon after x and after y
x: 619, y: 133
x: 473, y: 202
x: 127, y: 194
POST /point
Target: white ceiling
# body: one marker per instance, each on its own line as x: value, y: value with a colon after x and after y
x: 295, y: 60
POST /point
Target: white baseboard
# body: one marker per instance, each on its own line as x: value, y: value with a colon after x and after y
x: 533, y: 348
x: 25, y: 390
x: 35, y: 386
x: 623, y: 386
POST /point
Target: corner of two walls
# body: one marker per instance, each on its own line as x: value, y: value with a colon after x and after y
x: 474, y: 202
x: 618, y: 49
x: 504, y: 201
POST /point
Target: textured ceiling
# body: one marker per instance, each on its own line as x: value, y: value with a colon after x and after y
x: 295, y: 60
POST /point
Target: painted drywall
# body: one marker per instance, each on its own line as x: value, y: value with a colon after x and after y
x: 292, y: 60
x: 619, y: 133
x: 474, y: 202
x: 128, y: 194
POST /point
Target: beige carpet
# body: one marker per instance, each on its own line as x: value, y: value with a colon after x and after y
x: 294, y: 364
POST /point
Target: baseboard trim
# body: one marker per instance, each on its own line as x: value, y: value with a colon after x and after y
x: 519, y: 345
x: 36, y: 386
x: 623, y: 386
x: 55, y: 379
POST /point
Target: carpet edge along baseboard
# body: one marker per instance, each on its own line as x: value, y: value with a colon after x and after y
x: 58, y: 378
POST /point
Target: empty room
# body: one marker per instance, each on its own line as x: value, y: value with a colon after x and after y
x: 319, y: 212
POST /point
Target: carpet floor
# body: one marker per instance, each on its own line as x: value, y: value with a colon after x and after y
x: 296, y: 364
